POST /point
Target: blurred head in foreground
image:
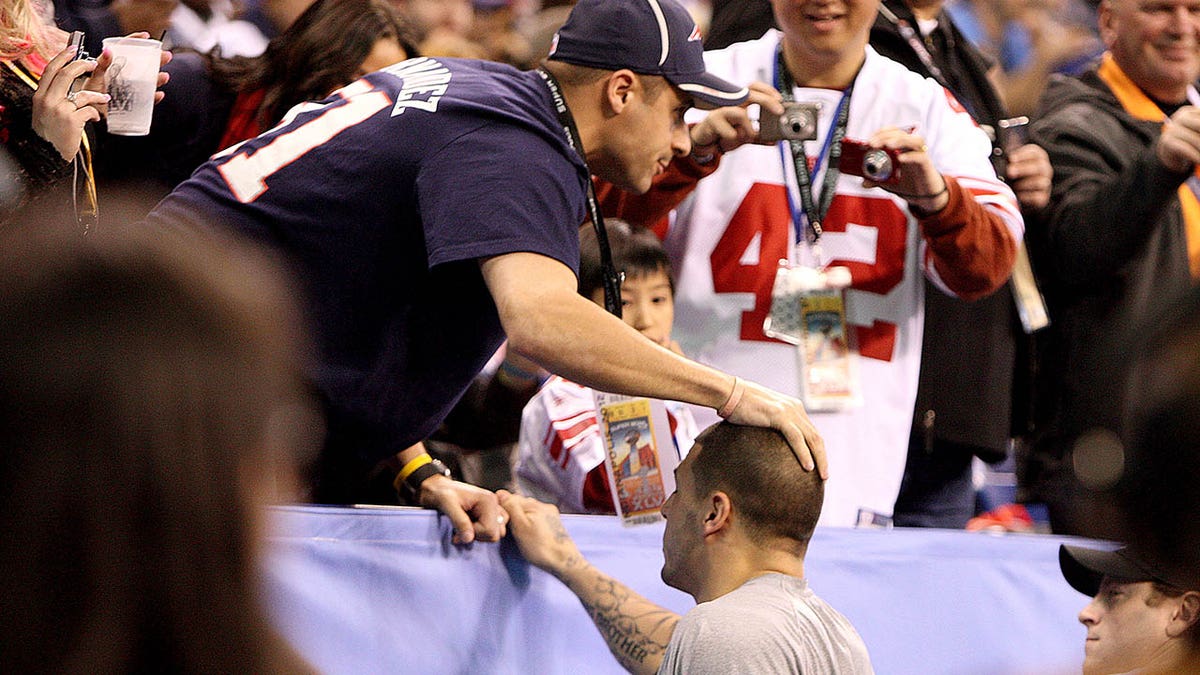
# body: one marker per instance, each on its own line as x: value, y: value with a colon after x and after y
x: 1157, y: 491
x: 150, y: 402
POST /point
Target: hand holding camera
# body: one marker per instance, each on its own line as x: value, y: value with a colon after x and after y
x: 898, y: 161
x: 59, y: 112
x: 726, y: 129
x: 797, y: 122
x: 1178, y: 147
x: 75, y: 41
x: 881, y: 165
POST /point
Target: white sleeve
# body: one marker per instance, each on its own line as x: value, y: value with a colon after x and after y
x: 559, y: 444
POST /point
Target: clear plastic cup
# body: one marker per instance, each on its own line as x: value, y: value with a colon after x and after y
x: 132, y: 81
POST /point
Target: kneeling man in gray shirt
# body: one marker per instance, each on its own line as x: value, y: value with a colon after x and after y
x: 738, y: 527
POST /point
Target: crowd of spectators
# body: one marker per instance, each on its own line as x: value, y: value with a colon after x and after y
x: 1094, y: 209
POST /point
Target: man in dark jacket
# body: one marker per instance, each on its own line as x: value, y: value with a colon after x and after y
x: 1124, y: 139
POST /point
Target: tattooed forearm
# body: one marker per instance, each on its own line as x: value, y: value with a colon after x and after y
x: 637, y: 631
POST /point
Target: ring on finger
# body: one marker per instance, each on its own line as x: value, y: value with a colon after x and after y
x: 71, y: 96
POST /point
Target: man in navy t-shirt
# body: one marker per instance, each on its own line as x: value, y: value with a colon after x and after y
x: 432, y: 208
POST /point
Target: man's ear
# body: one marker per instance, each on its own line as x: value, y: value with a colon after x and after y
x: 1104, y: 22
x: 719, y: 515
x: 1186, y: 615
x: 617, y: 89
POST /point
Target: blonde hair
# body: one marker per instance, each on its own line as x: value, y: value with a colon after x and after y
x: 25, y: 31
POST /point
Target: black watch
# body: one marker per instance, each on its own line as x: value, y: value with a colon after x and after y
x: 410, y: 487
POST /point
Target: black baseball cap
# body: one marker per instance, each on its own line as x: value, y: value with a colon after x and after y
x: 649, y: 37
x: 1084, y: 568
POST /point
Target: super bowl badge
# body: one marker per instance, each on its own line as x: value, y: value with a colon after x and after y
x: 808, y: 310
x: 640, y: 455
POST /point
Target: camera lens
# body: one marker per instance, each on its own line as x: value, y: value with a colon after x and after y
x: 799, y: 123
x: 877, y: 165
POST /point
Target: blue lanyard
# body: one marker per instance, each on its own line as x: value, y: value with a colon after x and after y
x: 812, y: 212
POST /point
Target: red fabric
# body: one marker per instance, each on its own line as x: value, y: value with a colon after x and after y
x: 596, y: 496
x: 35, y: 62
x: 1004, y: 518
x: 971, y: 249
x: 243, y: 119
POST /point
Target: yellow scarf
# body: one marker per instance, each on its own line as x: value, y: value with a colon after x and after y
x: 1136, y: 103
x: 88, y: 212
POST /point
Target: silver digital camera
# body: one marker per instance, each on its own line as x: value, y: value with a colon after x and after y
x: 797, y: 123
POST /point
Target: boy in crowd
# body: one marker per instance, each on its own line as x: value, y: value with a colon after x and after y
x: 561, y: 452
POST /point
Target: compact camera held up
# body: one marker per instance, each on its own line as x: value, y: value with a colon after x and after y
x: 797, y: 123
x: 76, y: 40
x: 881, y: 165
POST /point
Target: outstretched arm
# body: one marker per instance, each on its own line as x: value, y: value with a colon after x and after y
x: 1108, y: 197
x: 548, y: 321
x: 637, y: 631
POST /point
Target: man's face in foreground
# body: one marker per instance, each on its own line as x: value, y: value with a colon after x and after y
x: 683, y: 537
x: 1126, y: 626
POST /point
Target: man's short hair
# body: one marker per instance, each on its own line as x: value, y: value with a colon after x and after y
x: 1166, y: 591
x: 636, y: 251
x: 756, y: 467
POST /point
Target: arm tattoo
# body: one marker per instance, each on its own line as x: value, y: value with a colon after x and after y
x: 637, y: 631
x: 561, y: 537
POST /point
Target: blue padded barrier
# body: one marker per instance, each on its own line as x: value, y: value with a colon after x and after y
x: 377, y: 590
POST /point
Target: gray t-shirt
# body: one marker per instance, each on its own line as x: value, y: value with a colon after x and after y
x: 770, y: 624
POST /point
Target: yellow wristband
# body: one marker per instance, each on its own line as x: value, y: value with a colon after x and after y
x: 413, y: 464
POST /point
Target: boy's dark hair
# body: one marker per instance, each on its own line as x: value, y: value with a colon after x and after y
x: 636, y: 251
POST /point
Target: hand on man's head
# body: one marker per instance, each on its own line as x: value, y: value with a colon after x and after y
x: 763, y: 407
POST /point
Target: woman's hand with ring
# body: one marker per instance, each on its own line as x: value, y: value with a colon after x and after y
x: 60, y: 114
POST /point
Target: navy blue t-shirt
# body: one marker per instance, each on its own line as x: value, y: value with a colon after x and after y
x: 384, y: 197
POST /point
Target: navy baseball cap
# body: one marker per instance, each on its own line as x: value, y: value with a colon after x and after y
x: 1085, y: 568
x: 649, y: 37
